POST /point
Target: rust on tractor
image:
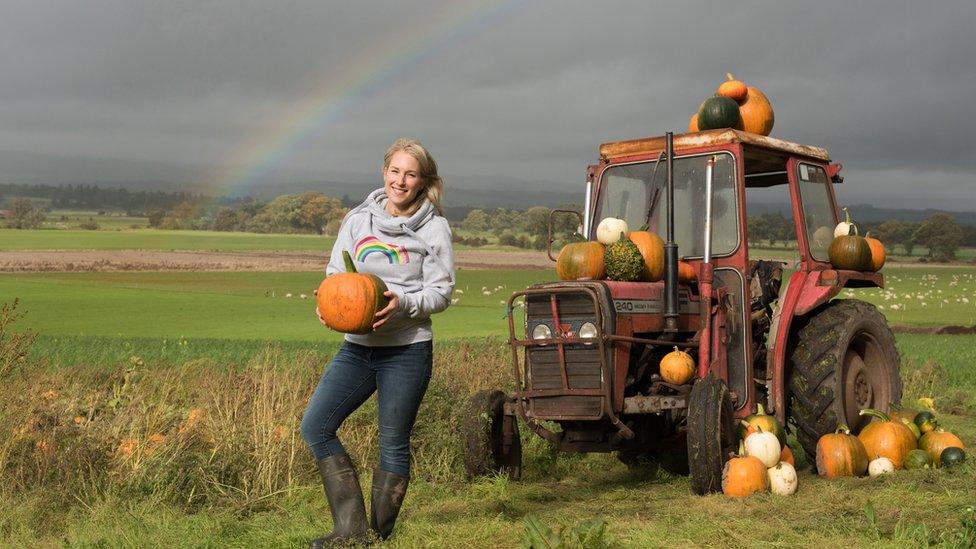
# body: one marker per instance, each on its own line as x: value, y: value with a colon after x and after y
x: 710, y: 138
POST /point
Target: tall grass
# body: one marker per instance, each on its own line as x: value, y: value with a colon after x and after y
x: 198, y: 435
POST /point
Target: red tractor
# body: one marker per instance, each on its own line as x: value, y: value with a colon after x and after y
x: 586, y: 358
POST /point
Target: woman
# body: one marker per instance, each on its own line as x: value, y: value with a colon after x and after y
x: 399, y: 234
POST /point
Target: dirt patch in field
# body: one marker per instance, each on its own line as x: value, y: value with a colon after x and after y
x: 940, y: 330
x: 140, y: 260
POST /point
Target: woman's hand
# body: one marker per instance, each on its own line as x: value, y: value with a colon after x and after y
x: 387, y: 312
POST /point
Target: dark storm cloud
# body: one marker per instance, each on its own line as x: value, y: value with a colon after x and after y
x: 530, y: 91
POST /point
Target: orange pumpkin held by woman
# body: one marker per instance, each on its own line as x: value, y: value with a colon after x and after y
x: 348, y: 301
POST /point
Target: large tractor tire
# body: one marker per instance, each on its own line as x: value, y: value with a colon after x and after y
x: 491, y: 439
x: 711, y: 434
x: 844, y: 360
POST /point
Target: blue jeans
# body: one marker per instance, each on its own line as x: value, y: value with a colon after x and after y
x: 399, y: 375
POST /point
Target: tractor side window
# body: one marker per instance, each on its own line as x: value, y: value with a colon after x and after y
x: 817, y: 208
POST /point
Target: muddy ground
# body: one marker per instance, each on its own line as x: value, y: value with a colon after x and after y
x: 139, y: 260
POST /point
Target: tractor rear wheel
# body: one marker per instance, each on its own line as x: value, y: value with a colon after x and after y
x: 844, y: 360
x: 711, y: 434
x: 491, y: 439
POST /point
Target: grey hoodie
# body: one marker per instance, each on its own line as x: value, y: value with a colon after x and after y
x: 414, y: 257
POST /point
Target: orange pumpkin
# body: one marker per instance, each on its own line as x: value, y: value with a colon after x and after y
x: 652, y: 250
x: 935, y: 441
x: 693, y: 123
x: 743, y: 476
x: 581, y: 260
x: 886, y: 438
x: 756, y: 112
x: 733, y: 89
x: 787, y: 456
x: 841, y: 454
x: 686, y: 272
x: 348, y: 301
x: 878, y: 255
x: 677, y: 367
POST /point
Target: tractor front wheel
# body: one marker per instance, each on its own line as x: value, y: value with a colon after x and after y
x: 711, y: 434
x: 491, y: 439
x: 844, y: 360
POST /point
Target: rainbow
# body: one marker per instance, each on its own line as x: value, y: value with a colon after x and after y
x: 337, y: 94
x: 397, y: 255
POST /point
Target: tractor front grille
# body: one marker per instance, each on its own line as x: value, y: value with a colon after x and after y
x: 543, y: 368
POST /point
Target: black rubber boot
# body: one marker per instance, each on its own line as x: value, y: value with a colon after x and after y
x: 388, y: 492
x: 345, y: 501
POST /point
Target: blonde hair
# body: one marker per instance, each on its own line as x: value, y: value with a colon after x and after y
x: 433, y: 185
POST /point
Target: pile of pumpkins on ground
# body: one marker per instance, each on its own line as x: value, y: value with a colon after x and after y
x: 618, y: 254
x: 906, y: 439
x: 848, y: 250
x: 734, y: 105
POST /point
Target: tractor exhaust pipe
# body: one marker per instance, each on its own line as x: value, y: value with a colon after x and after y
x: 705, y: 278
x: 670, y: 247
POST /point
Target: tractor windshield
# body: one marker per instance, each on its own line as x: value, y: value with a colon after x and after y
x: 636, y: 193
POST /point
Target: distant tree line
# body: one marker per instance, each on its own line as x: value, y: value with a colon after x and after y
x: 940, y: 234
x: 524, y: 229
x: 97, y: 198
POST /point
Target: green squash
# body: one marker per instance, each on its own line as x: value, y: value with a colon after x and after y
x: 926, y: 421
x: 911, y: 426
x: 850, y: 253
x: 952, y: 456
x: 719, y: 112
x: 623, y: 260
x: 918, y: 459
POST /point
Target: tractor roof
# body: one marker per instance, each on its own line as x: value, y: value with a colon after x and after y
x: 756, y: 144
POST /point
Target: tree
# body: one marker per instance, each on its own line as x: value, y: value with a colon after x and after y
x: 535, y: 221
x: 156, y: 216
x: 226, y: 219
x: 24, y: 215
x: 941, y: 235
x: 476, y: 221
x: 316, y: 210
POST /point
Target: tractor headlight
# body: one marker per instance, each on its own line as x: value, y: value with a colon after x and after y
x: 541, y: 331
x: 587, y: 331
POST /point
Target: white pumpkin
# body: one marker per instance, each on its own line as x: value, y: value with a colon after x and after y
x: 765, y: 446
x: 844, y: 227
x: 880, y: 466
x: 610, y: 229
x: 782, y: 479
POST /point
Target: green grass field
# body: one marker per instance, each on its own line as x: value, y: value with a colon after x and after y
x: 127, y: 357
x: 268, y: 306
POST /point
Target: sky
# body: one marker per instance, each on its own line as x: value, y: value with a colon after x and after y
x: 244, y: 91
